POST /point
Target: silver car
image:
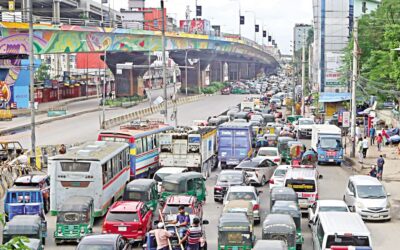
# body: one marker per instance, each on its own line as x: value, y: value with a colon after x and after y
x: 258, y: 170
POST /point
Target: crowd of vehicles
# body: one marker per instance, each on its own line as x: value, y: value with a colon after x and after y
x: 145, y: 173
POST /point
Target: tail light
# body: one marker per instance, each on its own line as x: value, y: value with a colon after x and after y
x: 316, y: 196
x: 271, y: 181
x: 218, y: 187
x: 256, y: 207
x: 276, y: 160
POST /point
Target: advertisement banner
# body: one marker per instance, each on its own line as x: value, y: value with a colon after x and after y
x: 346, y: 119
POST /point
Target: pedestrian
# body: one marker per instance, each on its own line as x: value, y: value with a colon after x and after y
x: 373, y: 172
x: 110, y: 95
x: 379, y: 163
x: 385, y: 137
x: 193, y: 236
x: 365, y: 147
x: 379, y: 140
x: 358, y: 132
x: 372, y: 132
x: 161, y: 236
x: 360, y: 150
x: 62, y: 149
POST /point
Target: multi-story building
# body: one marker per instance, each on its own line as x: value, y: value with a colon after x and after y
x: 300, y: 34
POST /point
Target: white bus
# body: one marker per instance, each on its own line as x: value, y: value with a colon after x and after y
x: 97, y: 169
x: 338, y: 230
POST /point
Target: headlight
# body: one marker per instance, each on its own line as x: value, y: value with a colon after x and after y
x: 322, y: 156
x: 359, y: 205
x: 388, y: 205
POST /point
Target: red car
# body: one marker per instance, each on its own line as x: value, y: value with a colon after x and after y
x: 131, y: 219
x: 192, y: 207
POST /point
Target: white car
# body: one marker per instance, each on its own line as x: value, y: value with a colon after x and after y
x: 258, y: 170
x: 325, y: 206
x: 366, y: 196
x: 270, y: 153
x: 304, y: 126
x: 278, y: 176
x: 164, y: 172
x: 278, y: 102
x: 248, y: 193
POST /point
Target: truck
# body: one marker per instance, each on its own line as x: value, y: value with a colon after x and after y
x: 326, y: 140
x: 194, y: 148
x: 235, y: 142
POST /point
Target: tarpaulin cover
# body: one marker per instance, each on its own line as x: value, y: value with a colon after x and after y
x: 334, y: 97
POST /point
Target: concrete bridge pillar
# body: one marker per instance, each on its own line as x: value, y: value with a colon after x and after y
x: 127, y: 74
x: 244, y: 71
x: 56, y: 11
x: 233, y: 69
x: 252, y: 71
x: 217, y: 71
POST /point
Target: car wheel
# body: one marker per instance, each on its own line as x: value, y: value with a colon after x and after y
x: 44, y: 241
x: 216, y: 200
x: 298, y: 247
x: 263, y: 181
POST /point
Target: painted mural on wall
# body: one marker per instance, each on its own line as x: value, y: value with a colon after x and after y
x: 49, y: 39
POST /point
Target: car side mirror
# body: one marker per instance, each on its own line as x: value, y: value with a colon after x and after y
x: 311, y: 222
x: 388, y: 194
x: 205, y: 222
x: 156, y: 222
x: 259, y: 192
x: 351, y: 194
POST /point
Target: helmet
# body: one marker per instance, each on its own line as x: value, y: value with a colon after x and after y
x: 160, y: 225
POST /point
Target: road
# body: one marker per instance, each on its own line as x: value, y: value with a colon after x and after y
x: 332, y: 185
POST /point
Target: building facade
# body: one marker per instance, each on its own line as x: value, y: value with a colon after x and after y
x: 300, y: 34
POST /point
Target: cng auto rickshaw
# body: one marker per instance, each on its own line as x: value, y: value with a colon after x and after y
x: 235, y: 232
x: 240, y: 206
x: 75, y: 219
x: 291, y: 208
x: 283, y: 146
x: 282, y: 194
x: 296, y: 150
x: 190, y: 183
x: 30, y: 226
x: 145, y: 190
x: 280, y: 227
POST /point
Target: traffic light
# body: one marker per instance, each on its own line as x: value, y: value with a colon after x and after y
x: 269, y: 38
x: 264, y: 33
x: 198, y: 10
x: 257, y: 27
x: 241, y: 20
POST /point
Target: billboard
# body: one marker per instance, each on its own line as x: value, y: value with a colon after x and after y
x: 195, y: 26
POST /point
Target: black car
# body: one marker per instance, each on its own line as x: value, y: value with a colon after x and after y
x: 104, y: 241
x: 226, y: 179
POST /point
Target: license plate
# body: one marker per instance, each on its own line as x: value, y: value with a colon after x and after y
x: 122, y: 229
x: 232, y: 162
x: 331, y: 160
x: 302, y: 201
x: 375, y: 216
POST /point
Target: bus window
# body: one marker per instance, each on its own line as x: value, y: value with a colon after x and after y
x: 139, y: 148
x: 144, y: 141
x: 156, y: 140
x: 109, y: 170
x: 115, y: 165
x: 75, y: 166
x: 104, y: 173
x: 150, y: 142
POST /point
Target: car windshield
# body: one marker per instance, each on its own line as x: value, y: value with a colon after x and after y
x: 72, y: 217
x: 306, y: 122
x: 131, y: 195
x: 230, y: 177
x: 280, y: 172
x: 333, y: 209
x: 247, y: 196
x: 171, y: 187
x: 301, y: 185
x: 340, y: 240
x: 267, y: 152
x: 330, y: 143
x: 235, y: 238
x: 100, y: 246
x: 122, y: 217
x: 173, y: 209
x: 371, y: 191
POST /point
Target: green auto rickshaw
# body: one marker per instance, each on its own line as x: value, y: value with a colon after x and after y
x: 235, y: 232
x: 75, y: 219
x: 293, y: 118
x: 190, y: 183
x: 30, y: 226
x: 280, y: 227
x: 144, y: 190
x: 291, y: 208
x: 240, y: 206
x: 282, y: 194
x: 283, y: 146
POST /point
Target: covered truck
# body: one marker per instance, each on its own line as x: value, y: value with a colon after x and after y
x: 194, y: 148
x: 326, y: 140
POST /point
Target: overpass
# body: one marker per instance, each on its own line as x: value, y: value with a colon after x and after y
x: 243, y: 59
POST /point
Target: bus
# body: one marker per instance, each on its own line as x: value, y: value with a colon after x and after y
x: 143, y: 139
x: 98, y: 169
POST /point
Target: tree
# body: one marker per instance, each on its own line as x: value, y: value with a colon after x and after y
x: 42, y: 73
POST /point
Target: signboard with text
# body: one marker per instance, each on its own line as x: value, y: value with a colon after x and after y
x: 346, y: 119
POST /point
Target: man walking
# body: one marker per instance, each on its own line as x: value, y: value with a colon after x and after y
x: 379, y: 163
x: 365, y: 146
x: 372, y: 132
x: 161, y: 236
x: 193, y: 236
x: 360, y: 150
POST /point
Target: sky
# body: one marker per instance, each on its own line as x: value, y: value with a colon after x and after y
x: 277, y: 16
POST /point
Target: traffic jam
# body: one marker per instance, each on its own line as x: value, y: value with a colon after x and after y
x: 144, y: 185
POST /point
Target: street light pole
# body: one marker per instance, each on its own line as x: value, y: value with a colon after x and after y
x: 164, y: 63
x: 353, y: 89
x: 31, y: 78
x: 186, y: 73
x: 255, y: 23
x: 303, y: 78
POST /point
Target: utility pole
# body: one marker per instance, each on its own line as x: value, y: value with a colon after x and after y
x: 303, y: 78
x: 353, y: 88
x: 31, y: 78
x: 164, y: 63
x: 104, y: 91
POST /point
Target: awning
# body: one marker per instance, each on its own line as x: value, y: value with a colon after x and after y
x: 334, y: 97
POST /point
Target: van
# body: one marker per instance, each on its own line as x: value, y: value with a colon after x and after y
x: 337, y: 229
x: 304, y: 181
x: 366, y: 196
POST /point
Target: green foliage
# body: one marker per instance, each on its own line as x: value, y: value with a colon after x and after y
x: 213, y: 88
x: 379, y: 34
x: 117, y: 102
x: 42, y: 73
x: 16, y: 243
